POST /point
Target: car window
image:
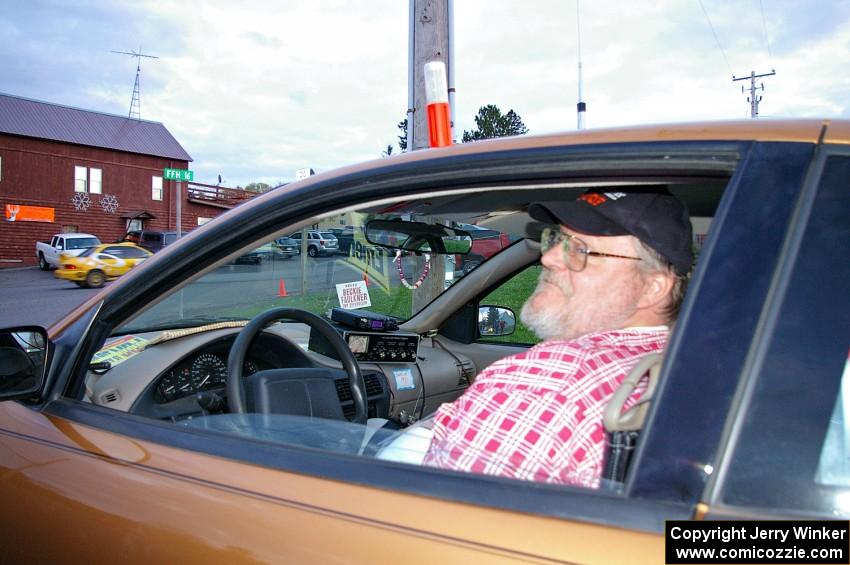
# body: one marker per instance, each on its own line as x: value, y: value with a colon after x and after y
x: 244, y: 287
x: 787, y: 453
x: 133, y: 253
x: 834, y: 462
x: 375, y: 282
x: 512, y: 294
x: 81, y: 242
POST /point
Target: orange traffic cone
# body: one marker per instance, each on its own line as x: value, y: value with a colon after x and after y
x: 281, y: 291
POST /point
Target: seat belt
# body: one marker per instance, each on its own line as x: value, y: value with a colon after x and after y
x: 623, y: 427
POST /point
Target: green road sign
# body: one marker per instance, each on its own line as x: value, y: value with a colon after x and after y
x: 178, y: 174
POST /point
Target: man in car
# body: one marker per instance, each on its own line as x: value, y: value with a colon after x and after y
x: 615, y: 269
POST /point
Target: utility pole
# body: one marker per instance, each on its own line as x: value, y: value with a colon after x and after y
x: 430, y: 40
x: 753, y: 99
x: 429, y: 28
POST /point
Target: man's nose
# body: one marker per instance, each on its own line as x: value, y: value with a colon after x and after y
x: 554, y: 258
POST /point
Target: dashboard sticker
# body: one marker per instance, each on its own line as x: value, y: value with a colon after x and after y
x: 404, y: 379
x: 120, y: 350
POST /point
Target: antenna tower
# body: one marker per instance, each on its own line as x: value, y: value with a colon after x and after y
x: 135, y: 104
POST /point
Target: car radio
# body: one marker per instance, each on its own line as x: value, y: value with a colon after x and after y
x: 376, y: 347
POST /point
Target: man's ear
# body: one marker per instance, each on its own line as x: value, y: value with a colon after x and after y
x: 657, y: 286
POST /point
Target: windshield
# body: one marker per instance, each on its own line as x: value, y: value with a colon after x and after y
x: 354, y: 274
x: 81, y: 242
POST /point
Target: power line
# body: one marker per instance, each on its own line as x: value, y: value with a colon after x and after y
x: 722, y: 52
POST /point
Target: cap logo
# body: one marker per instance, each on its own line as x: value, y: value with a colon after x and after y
x: 615, y: 195
x: 594, y: 198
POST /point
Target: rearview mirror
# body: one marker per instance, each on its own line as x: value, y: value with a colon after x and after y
x: 23, y: 358
x: 418, y: 237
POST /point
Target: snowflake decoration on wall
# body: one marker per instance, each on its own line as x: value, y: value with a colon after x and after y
x: 81, y: 201
x: 109, y: 203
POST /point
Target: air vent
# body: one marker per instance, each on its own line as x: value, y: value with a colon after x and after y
x: 373, y: 384
x: 467, y: 371
x: 373, y: 387
x: 110, y: 396
x: 343, y: 390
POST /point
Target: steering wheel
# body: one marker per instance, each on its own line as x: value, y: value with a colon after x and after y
x: 239, y: 350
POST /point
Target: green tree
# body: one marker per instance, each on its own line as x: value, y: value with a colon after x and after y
x: 490, y: 123
x: 257, y: 187
x: 402, y: 139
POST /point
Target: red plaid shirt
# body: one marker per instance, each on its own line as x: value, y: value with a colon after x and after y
x: 537, y: 415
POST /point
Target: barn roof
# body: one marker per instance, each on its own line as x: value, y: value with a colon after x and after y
x: 43, y: 120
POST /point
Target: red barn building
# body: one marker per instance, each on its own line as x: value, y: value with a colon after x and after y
x: 64, y: 169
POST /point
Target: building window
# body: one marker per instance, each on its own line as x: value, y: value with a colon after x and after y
x: 156, y: 188
x: 202, y: 220
x: 134, y: 225
x: 80, y: 179
x: 95, y: 186
x: 88, y: 180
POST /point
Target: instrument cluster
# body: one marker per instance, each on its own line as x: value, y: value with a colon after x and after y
x: 204, y: 371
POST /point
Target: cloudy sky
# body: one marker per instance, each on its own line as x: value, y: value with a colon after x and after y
x: 254, y: 90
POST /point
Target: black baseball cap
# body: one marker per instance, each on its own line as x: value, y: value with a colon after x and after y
x: 654, y: 216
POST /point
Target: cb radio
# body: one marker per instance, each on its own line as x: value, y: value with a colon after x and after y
x: 364, y: 320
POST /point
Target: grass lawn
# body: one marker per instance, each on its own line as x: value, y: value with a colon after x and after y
x: 398, y: 303
x: 513, y: 295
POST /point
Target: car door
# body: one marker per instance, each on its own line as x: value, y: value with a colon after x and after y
x: 115, y: 484
x: 111, y: 264
x: 786, y: 451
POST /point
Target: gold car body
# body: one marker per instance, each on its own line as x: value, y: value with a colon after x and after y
x: 189, y: 505
x: 77, y: 268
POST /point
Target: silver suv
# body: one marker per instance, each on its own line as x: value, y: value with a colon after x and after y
x: 318, y: 242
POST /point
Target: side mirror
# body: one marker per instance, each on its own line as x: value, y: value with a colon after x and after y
x: 496, y: 321
x: 23, y: 360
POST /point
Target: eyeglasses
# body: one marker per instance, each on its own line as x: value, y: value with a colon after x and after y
x: 575, y: 250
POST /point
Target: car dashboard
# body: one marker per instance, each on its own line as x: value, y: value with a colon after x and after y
x: 184, y: 377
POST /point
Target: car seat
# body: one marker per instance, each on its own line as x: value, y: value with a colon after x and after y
x: 623, y: 427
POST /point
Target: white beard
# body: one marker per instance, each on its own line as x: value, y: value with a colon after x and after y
x: 573, y: 317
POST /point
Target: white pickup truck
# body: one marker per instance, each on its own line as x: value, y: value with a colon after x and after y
x: 70, y: 243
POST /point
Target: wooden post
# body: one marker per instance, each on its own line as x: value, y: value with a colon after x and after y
x: 430, y: 43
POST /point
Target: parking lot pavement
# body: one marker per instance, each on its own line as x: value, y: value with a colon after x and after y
x: 29, y: 296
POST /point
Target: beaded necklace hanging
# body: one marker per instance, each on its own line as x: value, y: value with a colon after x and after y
x: 400, y: 270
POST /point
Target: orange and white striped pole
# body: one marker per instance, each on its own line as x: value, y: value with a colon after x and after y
x: 437, y: 104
